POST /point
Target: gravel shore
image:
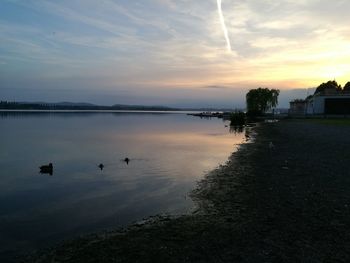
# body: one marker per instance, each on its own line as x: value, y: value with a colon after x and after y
x: 288, y: 201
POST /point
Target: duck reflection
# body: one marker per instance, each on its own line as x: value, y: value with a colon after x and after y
x: 46, y: 169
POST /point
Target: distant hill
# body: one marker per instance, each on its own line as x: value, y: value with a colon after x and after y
x: 6, y: 105
x: 142, y: 107
x: 75, y: 104
x: 63, y: 103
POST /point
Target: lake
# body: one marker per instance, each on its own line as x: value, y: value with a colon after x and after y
x: 169, y: 153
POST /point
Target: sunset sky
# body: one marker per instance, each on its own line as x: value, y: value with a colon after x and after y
x: 170, y: 52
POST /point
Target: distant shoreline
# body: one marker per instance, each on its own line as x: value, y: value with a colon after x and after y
x: 95, y: 111
x: 87, y: 107
x: 4, y: 113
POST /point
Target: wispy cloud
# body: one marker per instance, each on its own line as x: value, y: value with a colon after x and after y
x: 163, y: 44
x: 215, y: 87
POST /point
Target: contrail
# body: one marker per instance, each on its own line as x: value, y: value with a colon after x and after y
x: 222, y: 20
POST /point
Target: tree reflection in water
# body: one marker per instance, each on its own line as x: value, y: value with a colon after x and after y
x: 235, y: 129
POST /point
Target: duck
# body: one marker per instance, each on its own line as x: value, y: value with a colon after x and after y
x: 101, y: 166
x: 127, y: 160
x: 46, y: 169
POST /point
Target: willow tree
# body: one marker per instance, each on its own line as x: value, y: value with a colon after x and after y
x: 261, y: 100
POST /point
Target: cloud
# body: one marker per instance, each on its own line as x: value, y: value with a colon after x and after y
x: 141, y: 45
x: 214, y: 87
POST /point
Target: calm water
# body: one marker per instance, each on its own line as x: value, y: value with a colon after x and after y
x: 169, y: 153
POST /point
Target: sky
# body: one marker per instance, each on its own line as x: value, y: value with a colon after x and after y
x: 182, y: 53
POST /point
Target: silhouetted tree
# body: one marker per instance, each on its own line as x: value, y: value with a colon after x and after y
x: 330, y: 85
x: 260, y: 100
x: 237, y: 118
x: 308, y: 97
x: 347, y: 87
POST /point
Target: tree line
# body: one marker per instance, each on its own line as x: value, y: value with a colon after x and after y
x: 333, y: 85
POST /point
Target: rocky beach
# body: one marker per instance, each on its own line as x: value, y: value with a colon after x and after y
x: 282, y: 197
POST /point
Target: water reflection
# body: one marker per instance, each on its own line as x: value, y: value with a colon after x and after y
x: 236, y: 129
x: 149, y: 164
x: 247, y: 129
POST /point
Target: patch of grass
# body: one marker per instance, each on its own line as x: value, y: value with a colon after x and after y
x: 338, y: 122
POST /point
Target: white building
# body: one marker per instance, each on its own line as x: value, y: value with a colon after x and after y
x: 328, y: 104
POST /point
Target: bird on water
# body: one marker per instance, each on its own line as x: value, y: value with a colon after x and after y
x: 46, y: 169
x: 101, y: 166
x: 127, y: 160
